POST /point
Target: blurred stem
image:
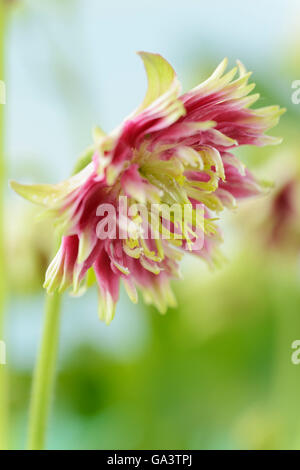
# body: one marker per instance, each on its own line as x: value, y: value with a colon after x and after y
x: 3, y: 370
x: 43, y: 380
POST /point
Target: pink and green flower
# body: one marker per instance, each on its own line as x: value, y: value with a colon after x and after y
x: 174, y: 149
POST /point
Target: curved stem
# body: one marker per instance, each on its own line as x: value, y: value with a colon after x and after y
x: 44, y: 374
x: 3, y: 371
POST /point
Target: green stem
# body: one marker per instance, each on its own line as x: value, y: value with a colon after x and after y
x: 3, y: 370
x: 43, y: 381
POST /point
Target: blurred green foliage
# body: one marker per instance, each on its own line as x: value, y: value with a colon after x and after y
x: 216, y: 374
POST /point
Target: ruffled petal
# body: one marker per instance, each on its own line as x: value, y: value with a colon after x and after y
x: 108, y: 282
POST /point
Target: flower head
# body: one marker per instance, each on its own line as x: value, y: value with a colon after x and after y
x: 174, y: 151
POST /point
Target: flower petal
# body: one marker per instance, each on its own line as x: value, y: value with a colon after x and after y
x: 52, y: 195
x: 160, y: 75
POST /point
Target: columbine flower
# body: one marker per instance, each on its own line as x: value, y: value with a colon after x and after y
x: 174, y: 149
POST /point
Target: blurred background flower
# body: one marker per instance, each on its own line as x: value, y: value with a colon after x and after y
x: 216, y: 371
